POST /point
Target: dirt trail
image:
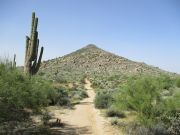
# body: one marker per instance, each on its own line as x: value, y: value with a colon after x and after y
x: 84, y: 119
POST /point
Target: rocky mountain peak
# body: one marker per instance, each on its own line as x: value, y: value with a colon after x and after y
x: 90, y: 46
x: 93, y: 60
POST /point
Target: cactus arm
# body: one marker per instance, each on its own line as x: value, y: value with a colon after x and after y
x: 32, y: 24
x: 27, y: 45
x: 33, y: 68
x: 39, y: 60
x: 34, y: 40
x: 37, y: 46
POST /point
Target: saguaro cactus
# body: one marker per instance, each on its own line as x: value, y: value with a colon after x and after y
x: 14, y: 61
x: 32, y: 64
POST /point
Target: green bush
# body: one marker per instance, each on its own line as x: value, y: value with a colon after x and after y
x: 115, y: 113
x: 103, y: 100
x: 178, y: 82
x: 137, y: 95
x: 165, y: 82
x: 83, y: 94
x: 159, y: 129
x: 136, y: 129
x: 116, y: 122
x: 64, y: 97
x: 18, y: 92
x: 58, y: 96
x: 174, y: 128
x: 143, y: 95
x: 60, y: 79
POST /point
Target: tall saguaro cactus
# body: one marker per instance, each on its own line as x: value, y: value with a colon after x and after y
x: 32, y: 63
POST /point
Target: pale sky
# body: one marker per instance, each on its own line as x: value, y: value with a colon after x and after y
x: 141, y: 30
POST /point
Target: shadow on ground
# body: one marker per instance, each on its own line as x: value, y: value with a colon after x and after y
x: 70, y: 130
x: 65, y: 129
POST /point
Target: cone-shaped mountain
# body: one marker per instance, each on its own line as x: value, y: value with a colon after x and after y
x: 93, y: 60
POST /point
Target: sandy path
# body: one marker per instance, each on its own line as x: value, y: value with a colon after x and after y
x: 84, y: 119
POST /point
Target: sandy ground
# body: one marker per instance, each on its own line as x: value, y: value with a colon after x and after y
x: 84, y: 119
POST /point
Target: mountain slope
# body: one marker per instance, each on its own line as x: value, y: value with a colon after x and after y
x: 92, y: 60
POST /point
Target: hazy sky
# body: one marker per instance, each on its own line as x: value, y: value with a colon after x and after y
x: 141, y: 30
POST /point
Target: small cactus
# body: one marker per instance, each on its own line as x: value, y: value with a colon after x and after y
x: 32, y: 64
x: 14, y: 61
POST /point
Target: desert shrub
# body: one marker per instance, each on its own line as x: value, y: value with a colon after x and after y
x: 174, y: 129
x: 103, y: 100
x: 77, y: 93
x: 98, y: 84
x: 63, y: 98
x: 141, y: 130
x: 113, y: 78
x: 45, y: 117
x: 174, y: 123
x: 83, y: 94
x: 178, y: 82
x: 10, y: 114
x: 115, y: 113
x: 58, y: 96
x: 142, y: 94
x: 138, y: 96
x: 159, y: 129
x: 60, y: 79
x: 136, y: 129
x: 116, y: 122
x: 165, y: 81
x: 52, y: 96
x: 82, y: 79
x: 18, y: 92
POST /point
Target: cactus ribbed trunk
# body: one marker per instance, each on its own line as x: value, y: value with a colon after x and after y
x: 32, y: 63
x: 14, y: 61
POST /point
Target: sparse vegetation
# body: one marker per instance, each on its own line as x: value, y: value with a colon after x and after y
x: 148, y: 91
x: 174, y: 126
x: 96, y: 63
x: 22, y: 96
x: 142, y: 94
x: 103, y: 100
x: 178, y: 82
x: 111, y: 112
x: 153, y: 94
x: 135, y: 129
x: 59, y: 96
x: 18, y: 91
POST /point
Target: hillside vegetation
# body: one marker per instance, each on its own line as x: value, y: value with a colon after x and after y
x: 154, y: 103
x: 92, y: 61
x: 22, y: 97
x: 142, y: 99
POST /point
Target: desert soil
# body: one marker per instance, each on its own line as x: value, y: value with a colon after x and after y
x: 84, y: 119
